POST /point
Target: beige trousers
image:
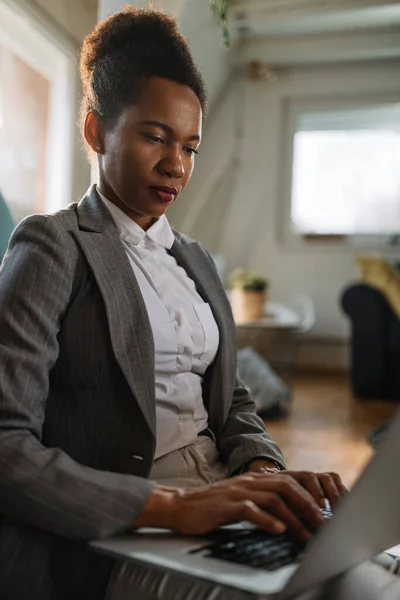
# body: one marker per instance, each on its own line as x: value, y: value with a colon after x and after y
x: 198, y: 464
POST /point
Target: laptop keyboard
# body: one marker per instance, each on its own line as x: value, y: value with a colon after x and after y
x: 254, y: 548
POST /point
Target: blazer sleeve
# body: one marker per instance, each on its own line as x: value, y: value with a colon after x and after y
x: 244, y: 436
x: 43, y: 486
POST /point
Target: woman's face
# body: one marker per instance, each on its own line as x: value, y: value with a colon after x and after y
x: 146, y: 158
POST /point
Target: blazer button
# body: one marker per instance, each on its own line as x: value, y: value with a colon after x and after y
x: 137, y: 457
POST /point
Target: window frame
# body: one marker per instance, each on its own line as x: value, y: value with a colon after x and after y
x: 47, y: 49
x: 291, y: 109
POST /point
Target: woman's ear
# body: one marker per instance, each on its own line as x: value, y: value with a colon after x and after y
x: 93, y: 131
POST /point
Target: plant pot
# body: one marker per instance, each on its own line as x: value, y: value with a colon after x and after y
x: 247, y: 305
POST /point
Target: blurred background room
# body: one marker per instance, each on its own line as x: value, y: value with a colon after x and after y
x: 296, y: 192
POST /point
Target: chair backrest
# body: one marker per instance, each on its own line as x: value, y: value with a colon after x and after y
x: 304, y: 306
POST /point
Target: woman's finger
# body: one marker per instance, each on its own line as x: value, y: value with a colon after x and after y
x: 331, y: 492
x: 311, y: 483
x: 296, y: 497
x: 246, y: 510
x: 273, y: 504
x: 339, y: 483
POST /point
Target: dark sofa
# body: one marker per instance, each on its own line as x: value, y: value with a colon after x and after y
x: 375, y: 343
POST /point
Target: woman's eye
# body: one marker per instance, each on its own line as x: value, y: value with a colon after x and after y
x: 191, y: 151
x: 155, y: 139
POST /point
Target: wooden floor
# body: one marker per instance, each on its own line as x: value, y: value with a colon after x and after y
x: 327, y: 429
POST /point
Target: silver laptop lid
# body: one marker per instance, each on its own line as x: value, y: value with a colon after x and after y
x: 366, y: 522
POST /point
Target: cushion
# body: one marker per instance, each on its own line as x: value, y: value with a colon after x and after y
x: 378, y: 273
x: 270, y: 394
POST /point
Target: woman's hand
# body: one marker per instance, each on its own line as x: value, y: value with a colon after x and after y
x: 272, y: 502
x: 319, y: 485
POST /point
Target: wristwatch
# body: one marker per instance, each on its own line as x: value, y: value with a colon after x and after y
x: 275, y: 469
x: 271, y: 470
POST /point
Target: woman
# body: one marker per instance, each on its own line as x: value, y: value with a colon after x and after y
x: 117, y: 358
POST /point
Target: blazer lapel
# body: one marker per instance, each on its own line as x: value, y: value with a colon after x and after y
x: 130, y: 330
x: 197, y: 265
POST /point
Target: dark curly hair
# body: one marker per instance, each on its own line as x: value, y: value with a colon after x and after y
x: 127, y: 48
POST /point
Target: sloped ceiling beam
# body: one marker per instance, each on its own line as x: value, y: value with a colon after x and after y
x: 286, y: 52
x: 288, y: 8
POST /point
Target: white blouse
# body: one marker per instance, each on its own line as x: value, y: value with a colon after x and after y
x: 186, y: 336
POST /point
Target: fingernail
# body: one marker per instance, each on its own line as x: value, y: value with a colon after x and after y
x: 279, y: 527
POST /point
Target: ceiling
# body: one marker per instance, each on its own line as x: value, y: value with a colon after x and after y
x: 291, y: 17
x: 361, y: 29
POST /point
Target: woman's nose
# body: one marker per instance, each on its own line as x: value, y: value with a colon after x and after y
x: 172, y: 165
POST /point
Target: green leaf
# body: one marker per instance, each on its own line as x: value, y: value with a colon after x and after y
x: 219, y: 9
x: 247, y: 280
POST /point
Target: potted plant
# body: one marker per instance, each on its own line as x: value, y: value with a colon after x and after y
x: 248, y: 295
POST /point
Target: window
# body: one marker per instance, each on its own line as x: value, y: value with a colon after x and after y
x: 23, y: 135
x: 346, y: 172
x: 36, y: 114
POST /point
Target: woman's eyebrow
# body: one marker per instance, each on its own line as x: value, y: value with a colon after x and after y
x: 167, y: 128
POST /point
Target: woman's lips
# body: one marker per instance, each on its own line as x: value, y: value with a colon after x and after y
x: 165, y: 194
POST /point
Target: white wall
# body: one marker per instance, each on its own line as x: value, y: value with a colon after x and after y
x: 238, y: 214
x: 77, y: 17
x: 205, y: 42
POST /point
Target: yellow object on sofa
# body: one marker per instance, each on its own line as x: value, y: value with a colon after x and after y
x: 378, y: 273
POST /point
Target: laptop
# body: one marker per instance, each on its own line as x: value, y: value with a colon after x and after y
x: 366, y: 522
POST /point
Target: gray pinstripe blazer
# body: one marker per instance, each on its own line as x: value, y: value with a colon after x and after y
x: 77, y: 406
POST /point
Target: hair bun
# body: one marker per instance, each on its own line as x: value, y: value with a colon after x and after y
x: 128, y: 27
